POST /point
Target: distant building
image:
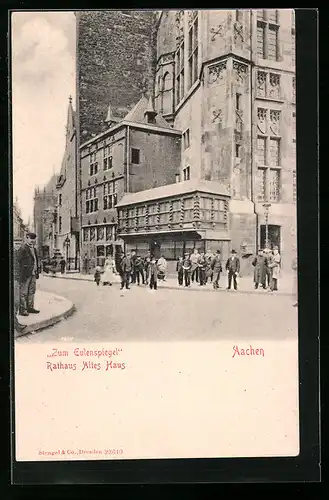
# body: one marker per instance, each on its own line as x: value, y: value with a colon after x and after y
x: 45, y: 217
x: 19, y: 228
x: 67, y: 227
x: 140, y: 152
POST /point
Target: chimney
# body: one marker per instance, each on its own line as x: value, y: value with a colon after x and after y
x: 150, y: 112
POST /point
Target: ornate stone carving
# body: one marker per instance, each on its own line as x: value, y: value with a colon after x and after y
x: 216, y: 72
x: 217, y: 116
x: 275, y: 122
x: 179, y: 23
x: 167, y: 58
x: 238, y: 32
x: 261, y: 120
x: 274, y: 86
x: 239, y: 120
x: 219, y: 30
x: 261, y: 84
x: 191, y: 15
x: 240, y: 71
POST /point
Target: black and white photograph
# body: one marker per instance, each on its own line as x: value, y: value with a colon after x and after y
x: 155, y: 234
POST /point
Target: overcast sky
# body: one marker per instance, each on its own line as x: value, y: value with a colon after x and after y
x: 43, y: 78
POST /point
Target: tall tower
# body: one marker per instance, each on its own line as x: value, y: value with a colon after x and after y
x: 116, y: 57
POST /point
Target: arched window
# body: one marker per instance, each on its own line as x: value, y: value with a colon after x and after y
x: 158, y: 94
x: 167, y: 94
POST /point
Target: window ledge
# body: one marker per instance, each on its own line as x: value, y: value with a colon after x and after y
x: 273, y: 99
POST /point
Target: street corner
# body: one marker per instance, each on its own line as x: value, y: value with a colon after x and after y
x: 52, y: 309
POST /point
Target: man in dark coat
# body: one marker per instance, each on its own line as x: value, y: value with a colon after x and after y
x: 139, y: 269
x: 17, y: 325
x: 260, y: 269
x: 127, y: 268
x: 28, y: 263
x: 216, y: 266
x: 233, y: 268
x: 187, y: 265
x: 133, y: 258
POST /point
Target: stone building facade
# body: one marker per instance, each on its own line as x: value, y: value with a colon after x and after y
x: 45, y: 217
x: 67, y: 197
x: 140, y: 152
x: 226, y: 80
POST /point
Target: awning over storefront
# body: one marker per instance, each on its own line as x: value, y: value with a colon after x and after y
x: 206, y: 234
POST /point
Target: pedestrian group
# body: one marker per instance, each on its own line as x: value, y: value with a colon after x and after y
x: 195, y: 266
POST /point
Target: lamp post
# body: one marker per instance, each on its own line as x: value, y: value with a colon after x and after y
x: 67, y: 243
x: 266, y: 213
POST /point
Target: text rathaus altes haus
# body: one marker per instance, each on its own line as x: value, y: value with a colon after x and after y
x: 225, y: 83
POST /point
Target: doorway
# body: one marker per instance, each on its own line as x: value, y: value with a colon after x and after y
x: 274, y: 236
x: 155, y: 249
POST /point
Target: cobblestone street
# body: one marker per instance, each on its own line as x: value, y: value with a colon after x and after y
x: 107, y: 314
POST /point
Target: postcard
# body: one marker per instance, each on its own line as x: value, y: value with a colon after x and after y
x: 154, y: 234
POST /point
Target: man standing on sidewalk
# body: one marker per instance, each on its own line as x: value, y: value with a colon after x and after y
x: 18, y: 327
x: 28, y: 263
x: 216, y: 266
x: 233, y: 269
x: 127, y: 268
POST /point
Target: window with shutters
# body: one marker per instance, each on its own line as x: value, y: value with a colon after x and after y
x: 261, y: 150
x: 268, y: 34
x: 107, y: 159
x: 261, y: 184
x: 93, y: 164
x: 193, y: 48
x: 91, y: 200
x: 187, y: 51
x: 109, y: 195
x: 274, y: 184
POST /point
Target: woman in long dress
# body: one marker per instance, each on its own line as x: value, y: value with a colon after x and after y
x: 109, y: 271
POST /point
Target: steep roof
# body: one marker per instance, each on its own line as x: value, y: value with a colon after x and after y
x: 185, y: 187
x: 137, y: 114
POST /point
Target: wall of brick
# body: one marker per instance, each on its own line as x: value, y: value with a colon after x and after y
x: 116, y: 54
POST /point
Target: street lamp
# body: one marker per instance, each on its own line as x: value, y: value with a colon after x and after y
x: 67, y: 244
x: 267, y: 209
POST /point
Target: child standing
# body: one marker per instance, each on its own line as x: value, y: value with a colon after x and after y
x: 153, y: 274
x: 180, y: 271
x: 97, y: 275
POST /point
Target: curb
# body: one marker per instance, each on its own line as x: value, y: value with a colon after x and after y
x: 186, y: 289
x: 46, y: 323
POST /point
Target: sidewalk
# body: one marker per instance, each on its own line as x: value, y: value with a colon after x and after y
x: 53, y: 309
x: 245, y: 284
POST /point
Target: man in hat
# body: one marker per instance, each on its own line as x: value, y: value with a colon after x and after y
x: 28, y: 265
x: 17, y: 325
x: 233, y: 268
x: 216, y: 266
